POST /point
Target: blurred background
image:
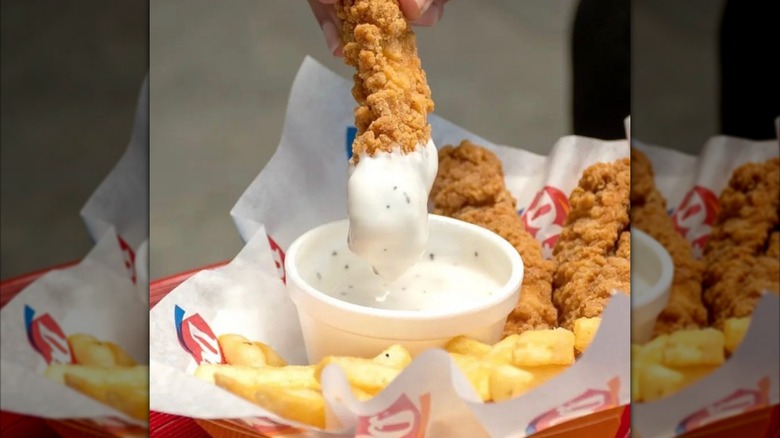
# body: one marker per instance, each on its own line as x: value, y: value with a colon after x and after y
x: 220, y: 77
x: 70, y: 76
x: 674, y: 72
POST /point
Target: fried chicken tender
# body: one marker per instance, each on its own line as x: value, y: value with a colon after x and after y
x: 470, y: 187
x: 390, y: 85
x: 685, y: 309
x: 741, y: 253
x: 592, y: 254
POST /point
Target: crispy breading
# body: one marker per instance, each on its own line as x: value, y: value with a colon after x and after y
x: 390, y: 85
x: 685, y: 309
x: 740, y: 254
x: 470, y: 187
x: 592, y: 254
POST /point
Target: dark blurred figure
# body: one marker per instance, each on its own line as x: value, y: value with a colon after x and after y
x: 601, y: 68
x: 750, y: 73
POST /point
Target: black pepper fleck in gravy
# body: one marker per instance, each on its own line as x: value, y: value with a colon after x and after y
x: 335, y: 253
x: 431, y: 256
x: 408, y: 200
x: 346, y: 266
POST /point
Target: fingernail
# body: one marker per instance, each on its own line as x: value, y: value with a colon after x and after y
x: 423, y: 5
x: 431, y: 16
x: 332, y: 37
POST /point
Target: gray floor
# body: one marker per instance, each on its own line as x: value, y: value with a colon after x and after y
x: 220, y: 76
x: 71, y: 74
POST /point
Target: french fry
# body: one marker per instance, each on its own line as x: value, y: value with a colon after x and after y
x: 394, y: 356
x: 584, y: 331
x: 56, y: 372
x: 734, y: 330
x: 477, y: 371
x: 504, y: 350
x: 121, y: 357
x: 239, y: 350
x: 465, y: 345
x: 133, y: 401
x: 544, y: 347
x: 271, y: 356
x: 361, y: 395
x: 290, y: 376
x: 507, y: 381
x: 302, y: 404
x: 692, y: 375
x: 686, y: 348
x: 298, y: 404
x: 657, y: 381
x: 137, y: 376
x: 365, y: 374
x: 124, y: 389
x: 88, y: 350
x: 652, y: 352
x: 636, y: 387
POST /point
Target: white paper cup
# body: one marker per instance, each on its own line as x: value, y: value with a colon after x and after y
x: 334, y: 327
x: 651, y: 279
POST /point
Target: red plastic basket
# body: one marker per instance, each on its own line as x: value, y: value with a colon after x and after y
x: 758, y: 423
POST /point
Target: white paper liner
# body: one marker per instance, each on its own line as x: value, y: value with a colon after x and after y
x: 303, y: 186
x: 737, y: 386
x: 105, y: 295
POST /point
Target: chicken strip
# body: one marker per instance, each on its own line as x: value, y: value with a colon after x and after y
x: 740, y: 255
x: 685, y: 309
x: 394, y: 160
x: 592, y: 254
x: 390, y: 85
x: 470, y: 187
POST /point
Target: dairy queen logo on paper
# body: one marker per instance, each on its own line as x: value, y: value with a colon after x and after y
x: 278, y: 255
x: 196, y: 337
x: 695, y: 216
x: 129, y: 256
x: 738, y: 402
x: 590, y: 401
x: 545, y: 216
x: 402, y: 419
x: 46, y: 337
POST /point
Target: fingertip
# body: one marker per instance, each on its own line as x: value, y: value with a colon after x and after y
x: 431, y: 16
x: 332, y: 37
x: 414, y: 9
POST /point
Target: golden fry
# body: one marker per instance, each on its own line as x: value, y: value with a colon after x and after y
x: 239, y: 350
x: 290, y: 376
x: 544, y: 347
x: 121, y: 357
x: 88, y: 350
x: 465, y: 345
x: 584, y: 331
x: 477, y: 371
x: 394, y: 356
x: 365, y: 374
x: 686, y: 348
x: 734, y: 330
x: 298, y: 404
x: 507, y: 381
x: 124, y: 389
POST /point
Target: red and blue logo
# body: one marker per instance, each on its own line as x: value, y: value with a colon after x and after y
x: 696, y: 216
x: 351, y: 134
x: 545, y: 217
x: 46, y: 337
x: 590, y: 401
x: 196, y: 337
x: 738, y: 402
x: 278, y: 255
x: 129, y: 258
